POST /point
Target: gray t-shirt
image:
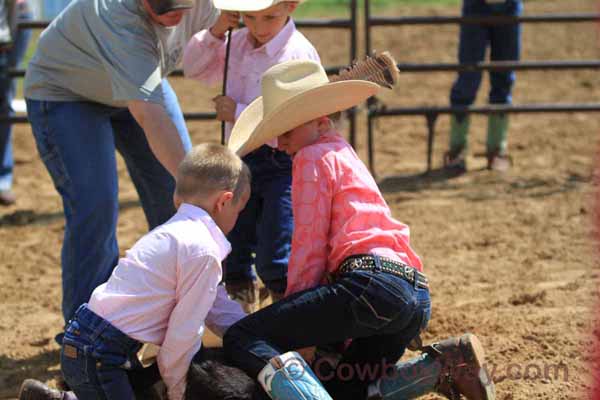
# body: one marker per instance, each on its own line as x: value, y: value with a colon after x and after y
x: 109, y: 51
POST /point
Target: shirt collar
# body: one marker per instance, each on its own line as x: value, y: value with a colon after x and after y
x: 198, y: 214
x: 273, y: 46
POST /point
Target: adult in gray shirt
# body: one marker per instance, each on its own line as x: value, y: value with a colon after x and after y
x: 96, y: 84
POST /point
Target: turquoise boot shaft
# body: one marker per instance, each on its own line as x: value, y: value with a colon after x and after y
x: 454, y: 367
x: 409, y: 380
x: 288, y: 377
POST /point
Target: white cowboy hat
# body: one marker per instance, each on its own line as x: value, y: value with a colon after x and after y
x: 249, y: 5
x: 294, y: 93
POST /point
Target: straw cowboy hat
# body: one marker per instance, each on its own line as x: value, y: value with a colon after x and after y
x: 249, y: 5
x: 294, y: 93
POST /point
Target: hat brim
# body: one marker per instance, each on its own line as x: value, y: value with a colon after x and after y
x: 252, y: 130
x: 245, y: 5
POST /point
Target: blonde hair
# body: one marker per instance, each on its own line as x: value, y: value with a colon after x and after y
x: 208, y: 168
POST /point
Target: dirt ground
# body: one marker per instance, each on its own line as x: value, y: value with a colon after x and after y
x: 510, y: 257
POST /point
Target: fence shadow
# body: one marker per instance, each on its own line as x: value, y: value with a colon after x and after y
x: 31, y: 217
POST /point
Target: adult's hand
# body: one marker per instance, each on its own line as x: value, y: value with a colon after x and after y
x: 160, y: 132
x: 227, y: 19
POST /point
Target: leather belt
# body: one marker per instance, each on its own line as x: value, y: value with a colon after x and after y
x: 372, y: 262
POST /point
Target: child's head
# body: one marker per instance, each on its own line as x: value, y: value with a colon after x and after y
x: 216, y: 179
x: 263, y: 18
x: 265, y: 24
x: 297, y: 98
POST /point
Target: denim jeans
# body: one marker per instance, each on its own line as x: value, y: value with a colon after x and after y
x: 263, y: 232
x: 504, y: 42
x: 10, y: 59
x: 381, y: 312
x: 96, y: 358
x: 76, y: 141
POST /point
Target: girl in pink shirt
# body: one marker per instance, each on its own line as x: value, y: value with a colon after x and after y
x: 263, y: 233
x: 352, y: 273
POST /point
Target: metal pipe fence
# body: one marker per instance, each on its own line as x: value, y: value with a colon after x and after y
x: 376, y: 109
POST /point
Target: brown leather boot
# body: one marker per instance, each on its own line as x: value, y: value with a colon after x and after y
x: 462, y: 368
x: 32, y: 389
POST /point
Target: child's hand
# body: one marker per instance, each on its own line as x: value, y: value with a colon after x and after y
x: 227, y: 19
x: 225, y: 107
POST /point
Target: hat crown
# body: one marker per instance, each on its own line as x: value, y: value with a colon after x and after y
x: 284, y: 81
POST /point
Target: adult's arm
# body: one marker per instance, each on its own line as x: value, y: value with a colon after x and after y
x: 160, y: 132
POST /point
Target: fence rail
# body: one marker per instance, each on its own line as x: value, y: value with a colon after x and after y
x: 376, y: 109
x: 473, y: 20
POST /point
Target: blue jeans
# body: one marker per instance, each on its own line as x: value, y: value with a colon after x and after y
x: 76, y: 141
x: 381, y: 312
x: 96, y: 358
x: 10, y: 59
x: 263, y: 232
x: 504, y: 42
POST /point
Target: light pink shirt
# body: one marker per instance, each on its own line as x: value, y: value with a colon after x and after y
x: 204, y: 59
x: 338, y: 211
x: 165, y: 289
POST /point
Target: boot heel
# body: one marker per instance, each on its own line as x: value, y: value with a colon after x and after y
x: 475, y: 353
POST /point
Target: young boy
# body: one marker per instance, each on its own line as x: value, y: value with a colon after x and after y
x: 352, y: 273
x: 164, y: 290
x: 263, y: 232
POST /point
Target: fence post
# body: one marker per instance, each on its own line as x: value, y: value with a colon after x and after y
x: 353, y: 51
x: 431, y: 118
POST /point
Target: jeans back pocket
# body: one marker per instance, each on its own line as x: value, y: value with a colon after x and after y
x: 382, y: 302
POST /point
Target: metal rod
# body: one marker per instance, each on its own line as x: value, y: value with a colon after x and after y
x: 501, y: 66
x: 370, y: 151
x: 478, y: 20
x: 225, y: 71
x: 353, y: 55
x: 431, y: 119
x: 490, y: 109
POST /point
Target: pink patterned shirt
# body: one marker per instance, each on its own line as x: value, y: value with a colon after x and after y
x: 204, y: 59
x: 338, y: 212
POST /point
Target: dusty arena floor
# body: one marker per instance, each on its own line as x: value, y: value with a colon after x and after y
x: 510, y: 257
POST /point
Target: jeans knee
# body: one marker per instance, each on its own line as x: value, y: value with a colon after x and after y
x: 230, y: 340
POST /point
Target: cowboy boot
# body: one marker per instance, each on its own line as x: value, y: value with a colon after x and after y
x: 455, y: 158
x: 452, y: 367
x: 32, y: 389
x: 288, y: 377
x: 496, y: 146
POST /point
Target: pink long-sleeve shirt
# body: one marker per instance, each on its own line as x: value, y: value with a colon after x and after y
x: 338, y: 212
x: 165, y: 290
x: 204, y: 59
